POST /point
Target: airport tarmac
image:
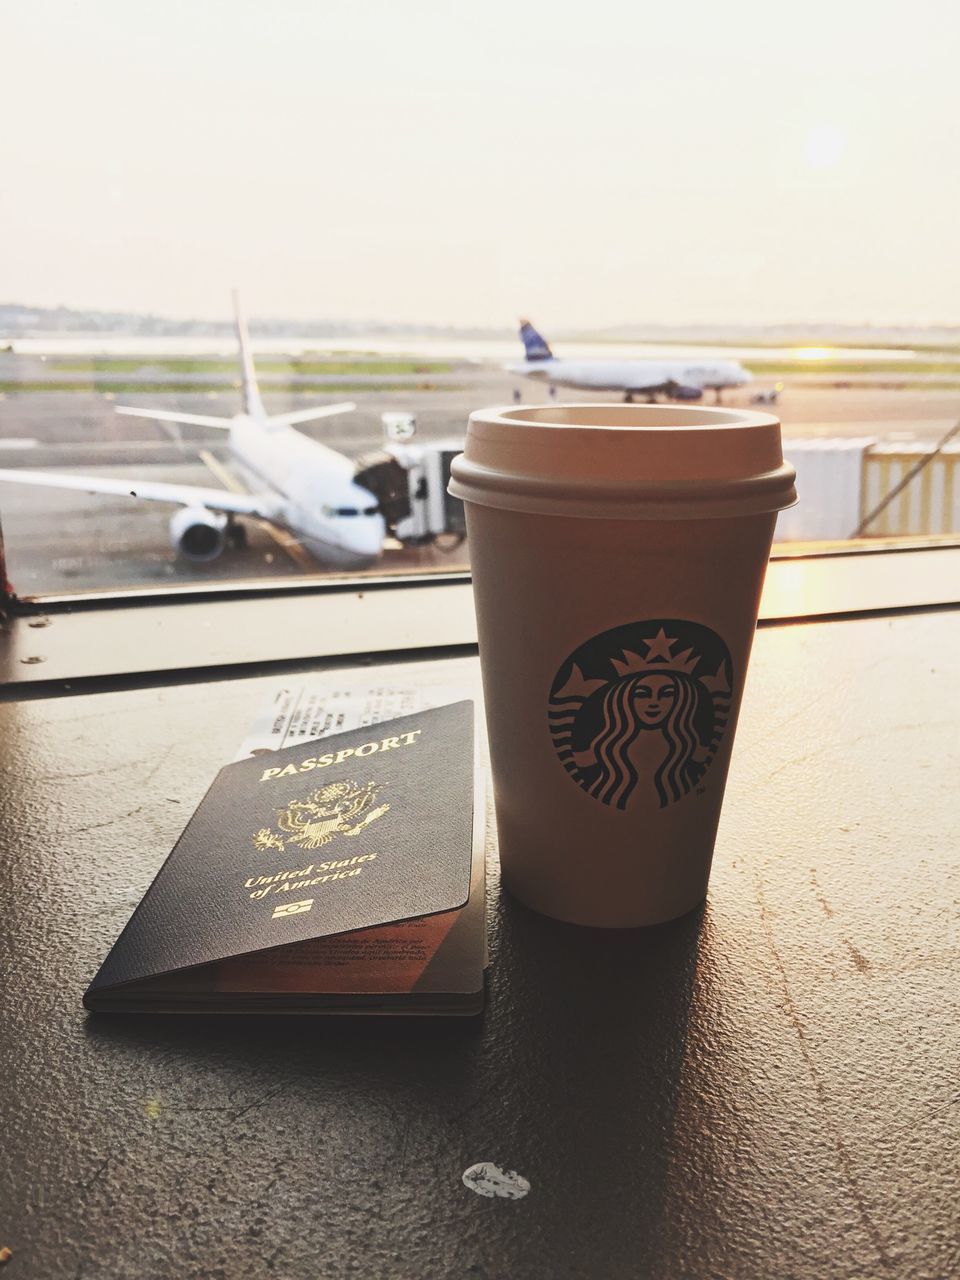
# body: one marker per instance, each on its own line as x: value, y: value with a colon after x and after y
x: 60, y: 542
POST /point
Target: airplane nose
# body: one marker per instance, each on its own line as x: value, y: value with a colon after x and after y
x: 365, y: 536
x: 373, y: 534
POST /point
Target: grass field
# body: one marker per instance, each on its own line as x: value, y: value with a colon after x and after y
x: 775, y: 366
x: 778, y: 344
x: 293, y: 366
x: 897, y: 368
x: 343, y: 375
x: 106, y: 387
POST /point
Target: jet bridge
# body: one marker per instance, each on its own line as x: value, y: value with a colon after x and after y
x: 409, y: 482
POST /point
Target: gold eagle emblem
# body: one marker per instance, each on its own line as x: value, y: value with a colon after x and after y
x: 338, y: 809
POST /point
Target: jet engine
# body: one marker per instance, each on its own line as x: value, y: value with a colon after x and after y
x: 677, y: 391
x: 198, y: 534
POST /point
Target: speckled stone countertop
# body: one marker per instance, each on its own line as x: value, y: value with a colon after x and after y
x: 768, y: 1088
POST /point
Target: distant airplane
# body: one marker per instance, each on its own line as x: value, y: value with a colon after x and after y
x: 294, y: 482
x: 676, y: 379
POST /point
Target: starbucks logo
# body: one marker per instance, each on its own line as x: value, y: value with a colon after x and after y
x: 642, y: 705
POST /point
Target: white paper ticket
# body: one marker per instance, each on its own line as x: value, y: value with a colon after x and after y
x: 298, y: 713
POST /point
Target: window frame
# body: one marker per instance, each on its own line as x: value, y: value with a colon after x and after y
x: 61, y: 645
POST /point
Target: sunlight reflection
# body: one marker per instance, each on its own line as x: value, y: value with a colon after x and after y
x: 814, y: 353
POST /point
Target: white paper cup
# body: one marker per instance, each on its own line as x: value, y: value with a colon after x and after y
x: 618, y: 553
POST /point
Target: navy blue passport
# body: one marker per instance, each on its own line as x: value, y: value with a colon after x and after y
x: 342, y: 875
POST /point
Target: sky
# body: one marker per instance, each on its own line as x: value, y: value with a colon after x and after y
x: 433, y: 161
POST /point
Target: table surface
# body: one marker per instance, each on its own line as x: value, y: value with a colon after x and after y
x: 766, y: 1088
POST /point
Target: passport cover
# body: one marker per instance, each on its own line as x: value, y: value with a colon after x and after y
x: 357, y: 832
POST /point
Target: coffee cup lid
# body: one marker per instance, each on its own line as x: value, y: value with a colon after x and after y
x: 624, y: 461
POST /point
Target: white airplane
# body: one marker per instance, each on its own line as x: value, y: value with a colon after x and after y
x: 294, y: 482
x: 677, y: 379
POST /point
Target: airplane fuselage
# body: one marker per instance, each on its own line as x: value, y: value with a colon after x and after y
x: 636, y: 377
x: 313, y: 491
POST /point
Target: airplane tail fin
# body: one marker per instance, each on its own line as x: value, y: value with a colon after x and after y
x: 251, y: 392
x: 252, y: 404
x: 534, y: 344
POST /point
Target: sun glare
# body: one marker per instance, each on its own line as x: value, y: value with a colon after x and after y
x: 814, y: 353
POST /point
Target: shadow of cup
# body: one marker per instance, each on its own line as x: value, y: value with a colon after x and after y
x: 590, y: 1045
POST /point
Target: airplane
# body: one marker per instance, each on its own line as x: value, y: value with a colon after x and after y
x: 676, y: 379
x: 294, y: 482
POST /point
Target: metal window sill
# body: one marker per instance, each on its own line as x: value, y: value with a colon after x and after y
x: 53, y: 650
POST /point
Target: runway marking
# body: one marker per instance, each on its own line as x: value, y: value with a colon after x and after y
x: 870, y: 427
x: 286, y: 541
x: 19, y: 442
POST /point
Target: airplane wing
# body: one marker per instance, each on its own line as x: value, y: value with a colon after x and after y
x: 184, y: 495
x: 167, y: 415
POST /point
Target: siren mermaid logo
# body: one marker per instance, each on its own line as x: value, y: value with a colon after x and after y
x: 646, y: 697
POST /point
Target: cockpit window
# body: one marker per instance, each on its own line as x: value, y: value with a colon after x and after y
x: 352, y: 511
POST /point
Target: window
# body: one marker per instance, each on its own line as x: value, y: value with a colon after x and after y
x: 724, y: 208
